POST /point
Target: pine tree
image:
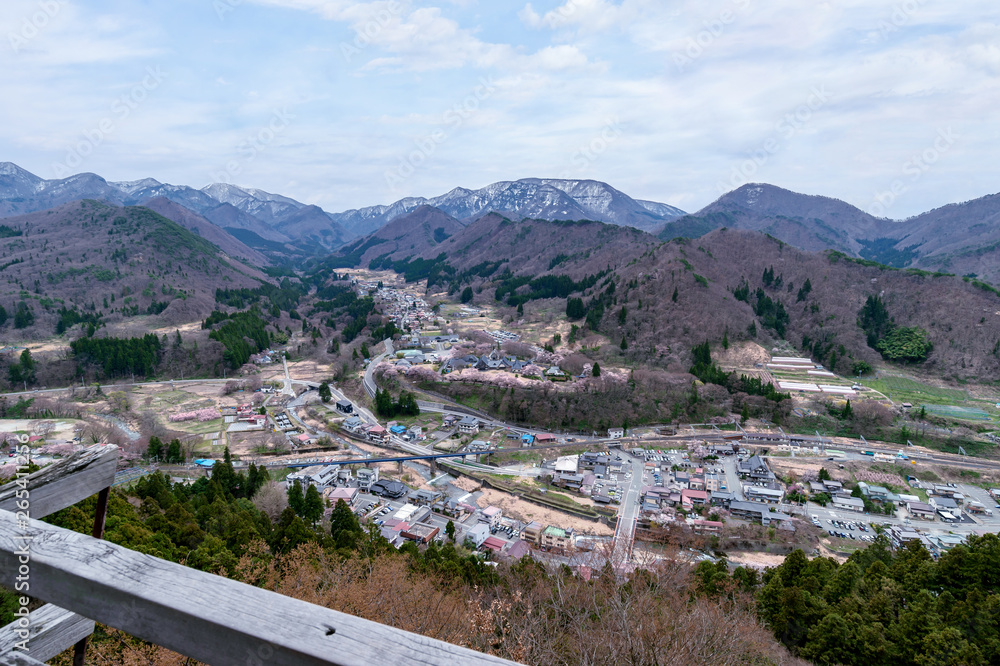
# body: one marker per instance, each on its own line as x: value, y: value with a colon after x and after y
x: 597, y: 370
x: 324, y: 392
x: 674, y: 297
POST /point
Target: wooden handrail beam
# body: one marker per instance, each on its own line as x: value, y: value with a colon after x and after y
x: 203, y: 616
x: 51, y: 630
x: 63, y: 483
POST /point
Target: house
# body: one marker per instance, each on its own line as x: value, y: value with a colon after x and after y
x: 315, y: 475
x: 849, y: 503
x: 693, y: 497
x: 392, y: 536
x: 616, y: 433
x: 378, y: 434
x: 353, y: 424
x: 817, y: 487
x: 757, y: 511
x: 712, y: 482
x: 557, y: 538
x: 920, y: 510
x: 545, y: 438
x: 766, y: 495
x: 478, y: 534
x: 425, y: 497
x: 366, y: 477
x: 706, y: 526
x: 945, y: 503
x: 493, y: 544
x: 568, y: 464
x: 385, y: 488
x: 723, y: 498
x: 696, y: 482
x: 348, y: 495
x: 468, y: 425
x: 532, y: 532
x: 420, y: 532
x: 303, y: 439
x: 591, y: 460
x: 491, y: 515
x: 755, y: 469
x: 518, y: 550
x: 555, y: 374
x: 682, y: 479
x: 571, y: 481
x: 345, y: 407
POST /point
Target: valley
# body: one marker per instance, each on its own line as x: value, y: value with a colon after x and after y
x: 588, y: 394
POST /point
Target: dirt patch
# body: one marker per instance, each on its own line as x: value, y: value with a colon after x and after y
x: 741, y: 355
x: 526, y: 511
x: 467, y: 484
x: 755, y: 560
x: 795, y: 466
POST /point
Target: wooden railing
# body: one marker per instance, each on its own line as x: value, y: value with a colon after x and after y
x: 206, y: 617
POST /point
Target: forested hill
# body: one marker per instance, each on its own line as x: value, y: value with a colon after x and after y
x: 494, y: 246
x: 745, y: 285
x: 88, y: 261
x: 889, y: 608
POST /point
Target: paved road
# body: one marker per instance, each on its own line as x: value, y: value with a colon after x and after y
x: 628, y: 512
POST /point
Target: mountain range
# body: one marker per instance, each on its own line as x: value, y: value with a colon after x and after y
x: 259, y: 226
x: 276, y: 224
x: 962, y: 238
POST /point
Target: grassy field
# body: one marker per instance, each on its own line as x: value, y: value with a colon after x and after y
x: 904, y: 389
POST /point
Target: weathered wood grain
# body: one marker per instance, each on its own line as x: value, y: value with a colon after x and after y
x: 64, y: 483
x: 19, y: 659
x: 203, y: 616
x: 51, y: 630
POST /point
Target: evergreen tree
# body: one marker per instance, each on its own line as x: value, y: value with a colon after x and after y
x: 344, y: 526
x: 847, y: 413
x: 175, y: 454
x: 155, y: 450
x: 674, y: 297
x: 467, y: 295
x: 449, y: 530
x: 312, y: 508
x: 597, y: 369
x: 324, y: 392
x: 296, y: 500
x: 575, y: 308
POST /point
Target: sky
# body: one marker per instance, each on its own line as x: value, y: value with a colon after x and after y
x: 888, y: 105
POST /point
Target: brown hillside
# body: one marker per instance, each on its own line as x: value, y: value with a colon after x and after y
x: 963, y: 321
x: 209, y: 231
x: 113, y: 262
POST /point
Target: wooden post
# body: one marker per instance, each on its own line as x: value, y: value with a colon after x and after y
x: 100, y: 513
